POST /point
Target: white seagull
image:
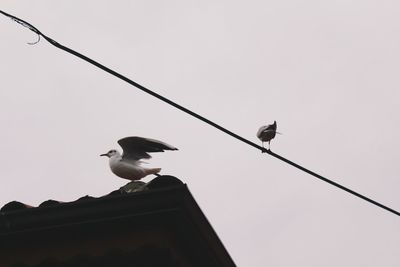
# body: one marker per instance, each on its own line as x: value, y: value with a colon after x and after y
x: 267, y: 133
x: 135, y: 148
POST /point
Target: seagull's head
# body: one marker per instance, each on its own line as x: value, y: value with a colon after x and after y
x: 110, y: 153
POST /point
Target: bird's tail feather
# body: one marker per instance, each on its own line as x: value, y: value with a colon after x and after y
x: 153, y: 171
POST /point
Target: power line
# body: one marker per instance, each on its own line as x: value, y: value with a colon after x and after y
x: 162, y: 98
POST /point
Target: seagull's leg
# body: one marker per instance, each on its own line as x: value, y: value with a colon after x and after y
x: 264, y: 150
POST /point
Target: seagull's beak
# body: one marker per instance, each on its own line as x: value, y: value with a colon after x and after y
x: 103, y: 155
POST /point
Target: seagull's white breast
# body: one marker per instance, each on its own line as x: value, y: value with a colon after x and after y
x: 127, y: 169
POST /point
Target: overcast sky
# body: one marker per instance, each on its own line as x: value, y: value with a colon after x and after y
x: 326, y: 71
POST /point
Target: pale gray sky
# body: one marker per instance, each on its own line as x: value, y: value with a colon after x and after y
x: 327, y: 71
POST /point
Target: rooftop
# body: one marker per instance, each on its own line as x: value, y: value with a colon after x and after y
x: 158, y: 218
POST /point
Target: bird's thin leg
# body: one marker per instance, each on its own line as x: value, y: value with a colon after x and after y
x: 269, y: 145
x: 263, y: 150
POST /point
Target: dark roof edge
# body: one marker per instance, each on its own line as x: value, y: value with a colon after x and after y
x: 208, y: 233
x: 88, y: 209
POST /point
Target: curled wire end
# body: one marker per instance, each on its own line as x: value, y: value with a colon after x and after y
x: 26, y: 25
x: 37, y: 41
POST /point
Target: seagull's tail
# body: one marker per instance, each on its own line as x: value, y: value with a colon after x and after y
x: 153, y: 171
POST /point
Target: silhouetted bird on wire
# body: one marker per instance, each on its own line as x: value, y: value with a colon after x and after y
x: 267, y: 133
x: 128, y: 165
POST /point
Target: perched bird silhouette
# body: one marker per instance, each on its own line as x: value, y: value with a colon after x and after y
x: 267, y: 133
x: 135, y: 148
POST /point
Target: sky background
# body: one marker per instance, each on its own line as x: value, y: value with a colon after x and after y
x: 326, y: 71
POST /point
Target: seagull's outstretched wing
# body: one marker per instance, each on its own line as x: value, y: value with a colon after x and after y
x: 136, y: 147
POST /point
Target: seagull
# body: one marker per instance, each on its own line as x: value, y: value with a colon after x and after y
x: 135, y: 148
x: 267, y: 133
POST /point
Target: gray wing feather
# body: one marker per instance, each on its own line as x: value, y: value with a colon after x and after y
x: 136, y: 147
